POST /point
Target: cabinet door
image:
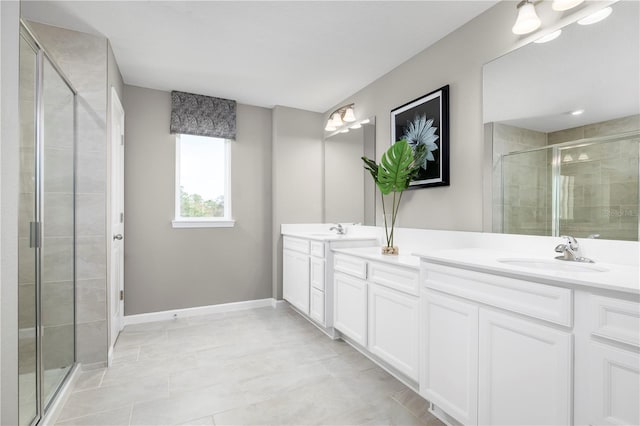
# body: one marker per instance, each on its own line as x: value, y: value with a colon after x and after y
x: 295, y: 279
x: 393, y: 328
x: 317, y: 273
x: 449, y: 355
x: 350, y: 307
x: 614, y: 385
x: 316, y: 310
x: 525, y: 372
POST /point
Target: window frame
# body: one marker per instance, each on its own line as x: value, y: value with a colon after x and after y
x: 227, y: 220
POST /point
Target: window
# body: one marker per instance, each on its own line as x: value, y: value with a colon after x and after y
x: 203, y: 187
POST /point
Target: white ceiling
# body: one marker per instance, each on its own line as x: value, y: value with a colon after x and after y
x: 302, y: 54
x: 593, y: 67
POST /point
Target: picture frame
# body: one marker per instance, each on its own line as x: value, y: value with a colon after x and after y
x: 416, y: 121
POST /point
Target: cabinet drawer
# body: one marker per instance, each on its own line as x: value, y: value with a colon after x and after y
x: 615, y: 319
x: 549, y: 303
x: 296, y: 244
x: 317, y: 249
x: 399, y: 278
x: 316, y: 310
x: 350, y: 265
x: 317, y: 273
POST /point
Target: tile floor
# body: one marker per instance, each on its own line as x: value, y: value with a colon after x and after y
x: 255, y: 367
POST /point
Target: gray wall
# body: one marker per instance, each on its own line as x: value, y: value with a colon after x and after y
x: 456, y: 60
x: 9, y: 160
x: 297, y: 176
x: 83, y: 58
x: 168, y: 268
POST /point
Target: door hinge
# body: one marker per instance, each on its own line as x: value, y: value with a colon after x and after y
x: 121, y: 217
x: 121, y: 294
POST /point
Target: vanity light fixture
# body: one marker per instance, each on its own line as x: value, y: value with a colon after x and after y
x: 567, y: 158
x: 562, y: 5
x: 356, y: 126
x: 547, y: 38
x: 583, y: 156
x: 527, y: 20
x: 577, y: 112
x: 365, y: 121
x: 342, y: 115
x: 344, y: 130
x: 596, y: 17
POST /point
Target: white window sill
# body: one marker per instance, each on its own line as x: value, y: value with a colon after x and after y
x: 211, y: 223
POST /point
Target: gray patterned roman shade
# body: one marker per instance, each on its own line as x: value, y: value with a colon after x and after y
x: 203, y: 115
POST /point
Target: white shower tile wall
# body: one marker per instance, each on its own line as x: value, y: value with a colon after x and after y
x: 83, y: 58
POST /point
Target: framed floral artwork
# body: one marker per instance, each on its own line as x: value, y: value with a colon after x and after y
x: 425, y: 121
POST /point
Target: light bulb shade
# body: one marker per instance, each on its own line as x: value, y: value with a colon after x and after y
x: 527, y: 20
x: 562, y: 5
x: 329, y: 127
x: 356, y: 126
x: 344, y: 131
x: 349, y: 116
x: 336, y: 121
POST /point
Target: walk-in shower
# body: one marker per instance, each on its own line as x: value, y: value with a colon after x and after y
x: 46, y: 247
x: 586, y: 187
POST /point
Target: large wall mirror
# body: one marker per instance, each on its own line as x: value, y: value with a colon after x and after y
x: 562, y: 119
x: 349, y: 193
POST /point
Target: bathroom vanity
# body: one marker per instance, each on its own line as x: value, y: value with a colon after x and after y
x: 307, y: 265
x: 376, y: 307
x: 486, y: 336
x: 526, y: 341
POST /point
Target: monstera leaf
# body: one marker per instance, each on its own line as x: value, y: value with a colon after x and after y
x: 372, y: 167
x: 395, y: 169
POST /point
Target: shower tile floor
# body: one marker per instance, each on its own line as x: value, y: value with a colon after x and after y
x: 256, y: 367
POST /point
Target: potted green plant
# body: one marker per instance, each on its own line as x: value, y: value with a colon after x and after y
x: 398, y: 166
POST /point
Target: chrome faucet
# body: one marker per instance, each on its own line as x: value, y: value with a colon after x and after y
x: 338, y: 228
x: 570, y: 250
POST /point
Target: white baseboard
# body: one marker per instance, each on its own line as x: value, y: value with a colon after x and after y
x: 278, y: 304
x: 199, y: 310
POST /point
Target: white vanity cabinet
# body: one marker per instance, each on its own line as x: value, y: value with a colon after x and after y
x: 295, y: 274
x: 307, y: 267
x: 611, y: 370
x: 496, y: 350
x: 377, y: 307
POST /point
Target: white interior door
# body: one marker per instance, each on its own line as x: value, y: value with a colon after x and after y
x: 116, y: 217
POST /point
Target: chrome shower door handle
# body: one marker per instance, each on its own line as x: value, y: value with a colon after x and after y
x: 118, y: 237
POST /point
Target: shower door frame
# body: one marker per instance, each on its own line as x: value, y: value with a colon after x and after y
x: 42, y: 406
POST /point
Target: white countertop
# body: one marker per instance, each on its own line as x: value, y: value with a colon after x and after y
x: 374, y: 253
x: 324, y: 236
x: 623, y: 278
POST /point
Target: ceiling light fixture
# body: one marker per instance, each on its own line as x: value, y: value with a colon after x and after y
x: 547, y: 38
x: 339, y: 117
x: 562, y: 5
x: 527, y: 20
x: 596, y: 17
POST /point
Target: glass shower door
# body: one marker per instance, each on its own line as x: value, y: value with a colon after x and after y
x: 57, y: 218
x: 27, y: 321
x: 597, y: 189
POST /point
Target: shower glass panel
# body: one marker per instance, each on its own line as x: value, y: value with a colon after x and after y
x: 57, y: 218
x: 27, y: 321
x: 585, y: 188
x: 527, y: 192
x: 46, y: 246
x: 598, y: 189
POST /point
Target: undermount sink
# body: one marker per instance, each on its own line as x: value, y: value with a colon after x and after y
x: 553, y: 265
